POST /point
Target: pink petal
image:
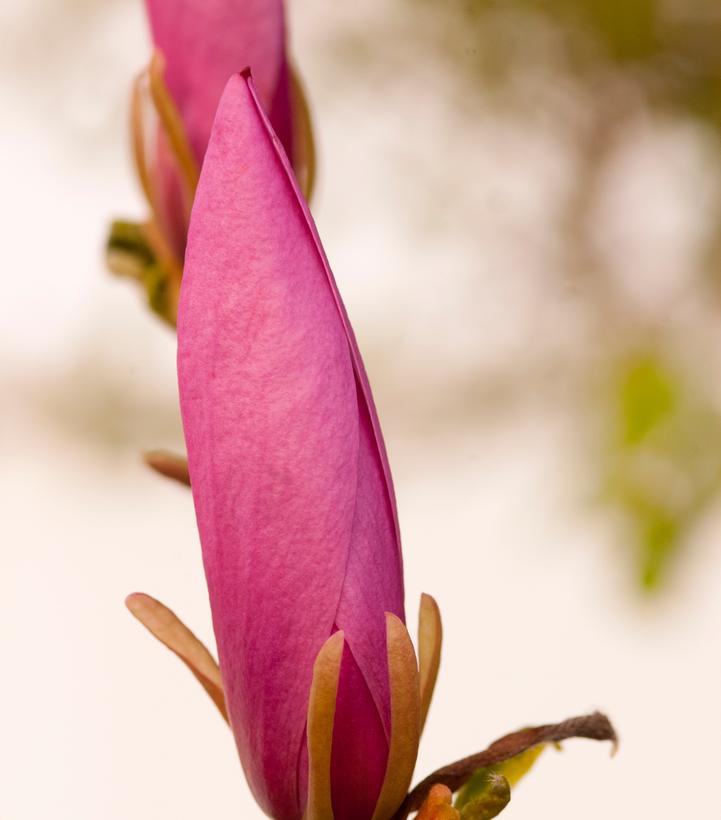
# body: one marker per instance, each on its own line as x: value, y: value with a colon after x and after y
x: 360, y: 748
x: 204, y: 42
x: 374, y: 576
x: 292, y: 489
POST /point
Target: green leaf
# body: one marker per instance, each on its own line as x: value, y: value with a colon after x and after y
x: 128, y: 254
x: 511, y: 771
x: 661, y: 459
x: 128, y: 239
x: 490, y: 802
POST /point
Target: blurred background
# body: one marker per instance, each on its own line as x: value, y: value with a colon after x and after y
x: 522, y: 205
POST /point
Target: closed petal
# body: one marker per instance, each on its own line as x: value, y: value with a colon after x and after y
x: 360, y: 748
x: 291, y: 484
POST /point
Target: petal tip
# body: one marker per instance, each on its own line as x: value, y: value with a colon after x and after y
x: 393, y: 621
x: 135, y: 602
x: 427, y: 600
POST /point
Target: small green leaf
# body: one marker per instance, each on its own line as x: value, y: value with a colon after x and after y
x: 156, y: 281
x: 128, y: 239
x: 495, y: 796
x: 128, y: 254
x: 511, y: 771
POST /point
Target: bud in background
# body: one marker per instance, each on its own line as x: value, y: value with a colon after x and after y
x: 198, y: 44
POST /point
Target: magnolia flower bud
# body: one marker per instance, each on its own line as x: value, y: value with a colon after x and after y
x: 198, y: 45
x: 290, y: 479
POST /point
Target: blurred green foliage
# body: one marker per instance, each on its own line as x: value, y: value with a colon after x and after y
x: 668, y: 47
x: 647, y: 395
x: 611, y: 65
x: 628, y: 30
x: 663, y: 458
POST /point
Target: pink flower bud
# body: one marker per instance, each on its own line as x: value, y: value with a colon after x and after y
x: 290, y: 479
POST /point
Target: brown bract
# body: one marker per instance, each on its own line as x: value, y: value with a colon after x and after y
x: 165, y: 625
x: 405, y: 718
x: 321, y: 715
x: 168, y: 465
x: 430, y: 638
x: 411, y: 687
x: 406, y: 699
